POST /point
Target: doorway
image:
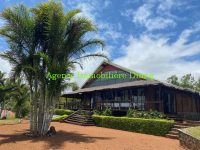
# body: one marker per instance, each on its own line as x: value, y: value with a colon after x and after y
x: 169, y: 102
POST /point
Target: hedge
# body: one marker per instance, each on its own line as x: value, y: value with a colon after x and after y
x: 59, y: 118
x: 148, y: 126
x: 63, y: 111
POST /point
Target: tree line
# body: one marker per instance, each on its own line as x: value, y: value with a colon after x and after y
x: 186, y: 81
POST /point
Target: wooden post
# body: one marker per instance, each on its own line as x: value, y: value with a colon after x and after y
x: 160, y: 100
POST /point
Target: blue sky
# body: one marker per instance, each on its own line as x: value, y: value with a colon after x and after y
x: 150, y: 36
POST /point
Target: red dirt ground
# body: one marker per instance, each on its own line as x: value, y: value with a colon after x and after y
x: 73, y: 137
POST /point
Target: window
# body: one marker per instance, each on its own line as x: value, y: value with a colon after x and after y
x: 138, y: 98
x: 157, y: 99
x: 141, y: 99
x: 119, y: 95
x: 98, y: 96
x: 126, y: 95
x: 108, y: 96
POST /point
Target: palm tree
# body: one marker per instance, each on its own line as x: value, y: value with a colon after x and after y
x: 20, y: 98
x: 5, y: 89
x: 45, y: 39
x: 2, y: 91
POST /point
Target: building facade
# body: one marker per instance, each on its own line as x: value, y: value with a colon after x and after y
x: 134, y: 90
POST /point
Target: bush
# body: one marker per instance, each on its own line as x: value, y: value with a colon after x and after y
x: 145, y: 114
x: 63, y: 112
x: 97, y: 112
x: 59, y: 118
x: 105, y: 112
x: 147, y: 126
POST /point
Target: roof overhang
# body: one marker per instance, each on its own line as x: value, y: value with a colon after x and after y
x: 139, y: 83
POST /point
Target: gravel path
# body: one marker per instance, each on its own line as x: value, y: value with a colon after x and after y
x: 73, y: 137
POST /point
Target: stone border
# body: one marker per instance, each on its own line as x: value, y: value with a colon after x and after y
x: 188, y: 141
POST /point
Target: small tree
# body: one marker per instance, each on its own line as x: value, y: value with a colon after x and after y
x: 173, y: 80
x: 197, y: 85
x: 5, y: 89
x: 20, y: 99
x: 187, y: 81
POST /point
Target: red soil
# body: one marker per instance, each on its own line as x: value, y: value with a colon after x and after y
x: 73, y: 137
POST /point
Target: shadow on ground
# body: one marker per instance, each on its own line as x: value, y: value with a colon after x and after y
x: 54, y: 142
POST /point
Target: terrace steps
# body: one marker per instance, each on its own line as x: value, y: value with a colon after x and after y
x: 80, y: 117
x: 174, y: 133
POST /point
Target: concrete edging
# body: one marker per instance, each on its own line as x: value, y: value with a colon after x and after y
x: 188, y: 141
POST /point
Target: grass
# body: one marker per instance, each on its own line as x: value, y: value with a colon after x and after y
x: 9, y: 121
x: 194, y: 131
x: 59, y: 117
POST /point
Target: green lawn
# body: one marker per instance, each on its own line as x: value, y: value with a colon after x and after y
x: 9, y: 121
x: 194, y: 131
x: 59, y: 117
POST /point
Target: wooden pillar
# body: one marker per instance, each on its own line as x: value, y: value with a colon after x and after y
x: 147, y: 98
x: 182, y: 101
x: 114, y: 95
x: 160, y: 100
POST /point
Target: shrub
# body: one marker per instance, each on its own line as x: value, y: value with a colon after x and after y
x: 145, y: 114
x: 63, y: 112
x: 148, y: 126
x: 59, y: 118
x: 105, y: 112
x: 97, y: 112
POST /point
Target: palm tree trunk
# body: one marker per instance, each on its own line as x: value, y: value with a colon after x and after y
x: 31, y: 111
x: 35, y: 108
x: 41, y: 110
x: 2, y: 108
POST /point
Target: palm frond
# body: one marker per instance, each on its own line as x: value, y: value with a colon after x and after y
x: 89, y: 56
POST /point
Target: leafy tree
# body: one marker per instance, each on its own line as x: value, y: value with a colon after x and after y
x: 5, y: 89
x: 75, y: 87
x: 197, y: 85
x: 20, y: 99
x: 45, y: 39
x: 187, y: 81
x: 173, y: 80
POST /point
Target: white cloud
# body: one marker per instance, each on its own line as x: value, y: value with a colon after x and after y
x: 5, y: 66
x: 159, y: 23
x: 157, y: 56
x: 183, y: 38
x: 154, y: 15
x: 110, y: 31
x: 144, y: 16
x: 89, y: 8
x: 92, y: 9
x: 106, y: 3
x: 2, y: 22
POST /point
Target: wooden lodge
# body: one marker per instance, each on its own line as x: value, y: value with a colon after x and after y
x: 138, y: 92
